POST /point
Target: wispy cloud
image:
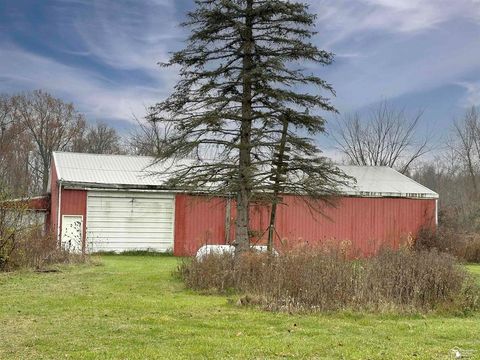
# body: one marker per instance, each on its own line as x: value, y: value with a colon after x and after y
x: 343, y: 19
x: 128, y: 35
x: 123, y: 40
x: 472, y: 96
x: 96, y: 95
x: 103, y: 55
x: 392, y: 48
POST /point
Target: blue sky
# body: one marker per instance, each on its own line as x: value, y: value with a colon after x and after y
x: 102, y: 55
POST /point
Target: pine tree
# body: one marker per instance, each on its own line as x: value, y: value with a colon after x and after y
x: 241, y: 87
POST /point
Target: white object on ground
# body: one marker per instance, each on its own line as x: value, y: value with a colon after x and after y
x: 226, y: 249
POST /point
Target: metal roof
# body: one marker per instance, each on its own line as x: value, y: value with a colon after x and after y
x: 125, y: 171
x: 376, y: 181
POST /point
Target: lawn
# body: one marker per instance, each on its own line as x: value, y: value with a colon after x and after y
x: 130, y: 307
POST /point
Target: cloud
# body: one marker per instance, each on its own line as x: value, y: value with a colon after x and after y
x: 392, y: 48
x: 472, y: 96
x: 127, y: 35
x: 104, y: 58
x: 343, y: 19
x: 95, y: 95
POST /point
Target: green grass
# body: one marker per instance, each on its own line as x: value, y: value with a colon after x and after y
x: 131, y: 307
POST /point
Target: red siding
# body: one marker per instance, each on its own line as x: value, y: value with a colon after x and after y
x: 199, y: 220
x: 73, y: 202
x: 369, y: 223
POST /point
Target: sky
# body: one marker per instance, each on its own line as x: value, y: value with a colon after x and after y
x: 102, y: 55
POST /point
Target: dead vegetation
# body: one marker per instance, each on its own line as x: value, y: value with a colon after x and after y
x: 325, y: 280
x: 24, y: 243
x: 452, y: 236
x: 33, y: 250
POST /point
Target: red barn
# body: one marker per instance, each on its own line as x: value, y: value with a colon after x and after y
x: 114, y: 203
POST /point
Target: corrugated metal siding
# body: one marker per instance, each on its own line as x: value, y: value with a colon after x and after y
x: 199, y: 221
x: 129, y: 220
x: 369, y: 223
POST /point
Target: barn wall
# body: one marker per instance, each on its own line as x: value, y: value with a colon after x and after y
x: 199, y: 221
x: 368, y: 223
x: 53, y: 200
x: 73, y: 202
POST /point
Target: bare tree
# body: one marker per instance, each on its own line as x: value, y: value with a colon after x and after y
x: 15, y: 147
x: 388, y: 137
x: 148, y: 138
x: 465, y: 143
x: 52, y: 124
x: 6, y: 136
x: 98, y: 139
x: 454, y: 173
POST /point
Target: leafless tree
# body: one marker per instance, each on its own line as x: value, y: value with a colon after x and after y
x: 99, y: 139
x: 52, y: 124
x: 15, y: 147
x: 454, y: 173
x: 465, y: 144
x: 148, y: 138
x: 388, y: 137
x: 6, y: 124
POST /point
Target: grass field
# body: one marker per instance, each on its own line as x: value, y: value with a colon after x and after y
x: 130, y: 307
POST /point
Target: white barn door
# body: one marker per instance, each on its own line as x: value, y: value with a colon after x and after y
x: 72, y: 233
x: 125, y: 220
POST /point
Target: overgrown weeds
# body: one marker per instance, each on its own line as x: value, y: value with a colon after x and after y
x: 32, y: 249
x: 325, y: 280
x: 461, y: 244
x: 457, y: 234
x: 23, y: 243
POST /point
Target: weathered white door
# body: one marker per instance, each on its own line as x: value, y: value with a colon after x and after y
x: 72, y: 233
x: 130, y: 220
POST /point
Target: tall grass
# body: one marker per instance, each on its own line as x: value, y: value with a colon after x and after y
x: 325, y: 280
x: 461, y: 244
x: 34, y: 250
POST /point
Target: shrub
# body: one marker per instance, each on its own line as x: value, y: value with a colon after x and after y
x: 420, y: 280
x: 32, y: 249
x: 461, y: 244
x: 325, y: 280
x: 23, y: 244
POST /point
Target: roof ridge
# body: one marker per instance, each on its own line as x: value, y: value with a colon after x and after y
x: 103, y: 155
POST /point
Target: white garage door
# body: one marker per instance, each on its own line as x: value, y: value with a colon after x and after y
x: 119, y: 221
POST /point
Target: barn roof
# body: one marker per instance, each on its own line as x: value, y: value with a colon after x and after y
x: 125, y: 171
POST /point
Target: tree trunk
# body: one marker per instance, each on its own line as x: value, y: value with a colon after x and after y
x: 276, y: 188
x: 243, y: 197
x: 45, y: 174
